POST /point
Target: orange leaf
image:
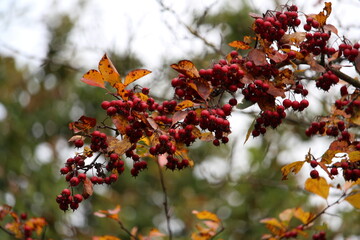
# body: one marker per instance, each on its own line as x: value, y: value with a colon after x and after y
x: 206, y: 215
x: 135, y: 75
x: 187, y: 68
x: 88, y: 188
x: 93, y: 78
x: 318, y: 186
x: 84, y: 123
x: 354, y: 199
x: 292, y: 167
x: 334, y: 148
x: 322, y: 16
x: 207, y: 137
x: 354, y: 156
x: 36, y: 224
x: 184, y: 104
x: 111, y: 213
x: 239, y: 45
x: 15, y: 228
x: 105, y: 237
x: 121, y: 90
x: 286, y: 215
x: 108, y: 71
x: 304, y: 217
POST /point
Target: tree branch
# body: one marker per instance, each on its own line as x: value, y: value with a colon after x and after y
x: 346, y: 78
x: 126, y: 230
x: 166, y: 204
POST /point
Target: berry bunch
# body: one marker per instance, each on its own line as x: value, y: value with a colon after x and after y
x: 349, y: 51
x: 316, y: 43
x: 66, y: 200
x: 326, y: 80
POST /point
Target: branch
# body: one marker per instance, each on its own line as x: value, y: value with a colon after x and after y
x: 166, y: 204
x: 346, y: 78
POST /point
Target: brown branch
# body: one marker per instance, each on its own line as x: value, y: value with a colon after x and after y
x: 346, y: 78
x: 126, y: 230
x: 166, y: 204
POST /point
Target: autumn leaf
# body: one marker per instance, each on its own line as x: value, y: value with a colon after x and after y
x: 93, y: 78
x: 36, y: 224
x: 323, y: 15
x: 184, y: 104
x: 354, y: 156
x: 105, y: 237
x: 331, y: 28
x: 334, y: 148
x: 88, y: 188
x: 187, y: 68
x: 274, y: 225
x: 286, y: 215
x: 292, y: 167
x: 207, y: 137
x: 4, y: 211
x: 179, y: 116
x: 276, y: 91
x: 314, y: 65
x: 111, y: 213
x: 206, y: 215
x: 84, y: 123
x: 354, y: 199
x: 120, y: 123
x: 108, y: 71
x: 258, y: 57
x: 239, y: 45
x: 118, y: 146
x: 135, y: 75
x: 318, y: 186
x: 15, y: 228
x: 293, y: 38
x: 304, y: 217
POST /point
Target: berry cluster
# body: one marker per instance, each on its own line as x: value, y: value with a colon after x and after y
x: 272, y: 28
x: 215, y: 121
x: 66, y: 200
x: 349, y: 51
x: 311, y: 23
x: 316, y: 43
x: 326, y: 80
x: 268, y: 118
x: 319, y: 236
x: 296, y: 105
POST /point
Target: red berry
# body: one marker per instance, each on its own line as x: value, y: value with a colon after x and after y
x: 314, y: 174
x: 74, y: 181
x: 233, y: 102
x: 78, y: 198
x: 82, y: 176
x: 287, y: 103
x: 64, y: 170
x: 79, y: 143
x: 304, y: 103
x: 314, y: 163
x: 105, y: 105
x: 66, y: 192
x: 295, y: 105
x: 145, y: 91
x: 216, y: 142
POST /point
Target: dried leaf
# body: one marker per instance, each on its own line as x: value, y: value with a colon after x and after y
x: 304, y: 217
x: 111, y: 213
x: 118, y: 146
x: 207, y: 137
x: 203, y: 88
x: 187, y: 68
x: 354, y: 156
x: 84, y: 123
x: 294, y: 167
x: 334, y: 148
x: 239, y: 45
x: 108, y: 71
x: 276, y: 91
x: 286, y: 215
x: 36, y: 224
x: 15, y: 228
x: 76, y: 137
x: 318, y: 186
x: 314, y: 65
x: 331, y: 28
x: 258, y: 57
x: 323, y: 15
x: 178, y: 116
x: 354, y: 199
x: 93, y: 78
x: 293, y: 38
x: 277, y: 56
x: 120, y: 123
x: 135, y: 75
x: 88, y: 188
x: 267, y: 103
x: 105, y: 237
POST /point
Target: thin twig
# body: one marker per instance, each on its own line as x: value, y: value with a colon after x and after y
x: 166, y: 204
x: 126, y: 230
x: 193, y: 31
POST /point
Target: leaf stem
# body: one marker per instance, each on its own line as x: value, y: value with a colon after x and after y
x: 165, y: 203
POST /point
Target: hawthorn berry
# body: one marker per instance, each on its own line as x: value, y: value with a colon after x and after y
x: 314, y: 174
x: 79, y: 143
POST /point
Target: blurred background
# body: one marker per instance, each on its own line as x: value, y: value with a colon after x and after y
x: 45, y: 48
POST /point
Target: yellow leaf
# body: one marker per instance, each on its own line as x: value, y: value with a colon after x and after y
x: 206, y: 215
x: 354, y: 199
x: 93, y: 78
x: 36, y: 224
x: 135, y: 75
x: 121, y: 90
x: 274, y: 226
x: 207, y: 137
x: 15, y: 228
x: 184, y: 104
x: 354, y: 156
x: 322, y: 16
x: 304, y: 217
x: 318, y: 186
x: 105, y: 237
x: 286, y: 215
x: 108, y: 71
x: 292, y: 167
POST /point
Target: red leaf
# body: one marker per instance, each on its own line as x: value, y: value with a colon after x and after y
x: 84, y: 123
x: 258, y: 57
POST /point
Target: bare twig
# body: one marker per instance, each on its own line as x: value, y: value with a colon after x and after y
x: 193, y: 31
x: 166, y: 204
